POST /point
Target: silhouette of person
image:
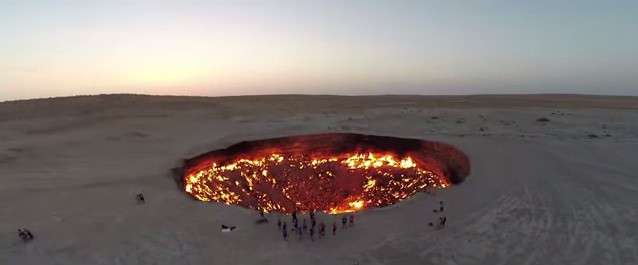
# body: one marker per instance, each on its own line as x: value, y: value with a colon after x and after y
x: 140, y: 198
x: 442, y: 221
x: 285, y: 234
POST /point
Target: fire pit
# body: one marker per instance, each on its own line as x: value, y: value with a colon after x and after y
x: 334, y: 173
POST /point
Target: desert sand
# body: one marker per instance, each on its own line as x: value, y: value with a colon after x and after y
x: 561, y: 191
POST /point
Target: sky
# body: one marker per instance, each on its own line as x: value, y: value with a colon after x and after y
x: 221, y: 48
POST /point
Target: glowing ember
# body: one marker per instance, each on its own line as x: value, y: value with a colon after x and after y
x: 334, y: 173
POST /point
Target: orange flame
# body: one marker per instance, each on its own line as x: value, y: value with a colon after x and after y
x: 286, y: 183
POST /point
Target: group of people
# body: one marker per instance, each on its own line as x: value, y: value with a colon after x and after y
x: 442, y: 218
x: 313, y: 228
x: 299, y: 229
x: 346, y: 221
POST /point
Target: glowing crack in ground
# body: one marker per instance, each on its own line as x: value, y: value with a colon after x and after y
x: 272, y: 178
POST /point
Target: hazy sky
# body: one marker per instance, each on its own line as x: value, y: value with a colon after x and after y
x: 60, y: 48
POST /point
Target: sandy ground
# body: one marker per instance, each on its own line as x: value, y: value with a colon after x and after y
x: 558, y: 192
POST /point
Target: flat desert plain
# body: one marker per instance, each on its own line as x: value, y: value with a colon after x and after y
x: 558, y: 190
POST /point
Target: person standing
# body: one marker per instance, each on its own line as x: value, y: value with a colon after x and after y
x: 442, y: 220
x: 334, y: 228
x: 351, y: 220
x: 299, y: 233
x: 344, y: 221
x: 322, y: 229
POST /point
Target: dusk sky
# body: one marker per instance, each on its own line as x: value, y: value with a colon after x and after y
x: 219, y: 48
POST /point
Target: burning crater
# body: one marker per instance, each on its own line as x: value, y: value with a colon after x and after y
x: 333, y: 173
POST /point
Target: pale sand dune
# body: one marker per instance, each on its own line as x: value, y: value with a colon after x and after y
x: 557, y: 192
